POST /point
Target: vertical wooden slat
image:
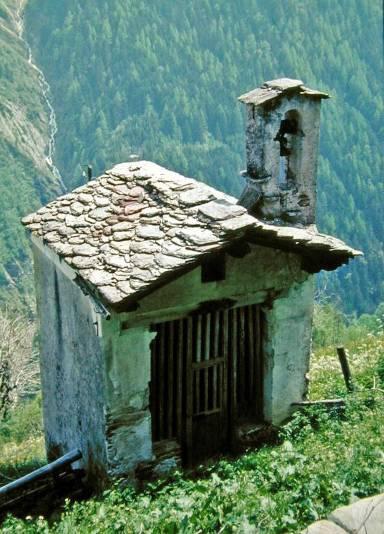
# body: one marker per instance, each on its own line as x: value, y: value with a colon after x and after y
x: 198, y: 359
x: 233, y: 367
x: 218, y: 386
x: 258, y: 361
x: 216, y: 348
x: 179, y: 372
x: 189, y: 393
x: 241, y: 367
x: 204, y: 386
x: 198, y: 338
x: 161, y: 379
x: 154, y: 389
x: 232, y: 376
x: 224, y: 366
x: 257, y: 358
x: 170, y: 355
x: 207, y: 350
x: 216, y: 326
x: 196, y: 381
x: 251, y: 351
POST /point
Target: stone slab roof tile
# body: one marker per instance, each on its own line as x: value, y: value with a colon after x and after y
x: 139, y: 223
x: 276, y: 89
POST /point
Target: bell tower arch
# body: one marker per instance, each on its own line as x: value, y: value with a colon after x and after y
x: 282, y: 138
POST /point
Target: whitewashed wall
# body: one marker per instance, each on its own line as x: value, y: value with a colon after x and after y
x: 72, y: 367
x: 96, y: 372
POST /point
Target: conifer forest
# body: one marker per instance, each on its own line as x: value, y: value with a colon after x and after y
x: 169, y: 365
x: 161, y: 80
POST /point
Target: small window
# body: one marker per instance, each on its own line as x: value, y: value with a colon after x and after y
x: 213, y: 268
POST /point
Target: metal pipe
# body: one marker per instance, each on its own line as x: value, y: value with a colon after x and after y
x: 49, y: 469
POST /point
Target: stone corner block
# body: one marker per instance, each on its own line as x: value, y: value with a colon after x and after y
x: 364, y: 516
x: 323, y: 527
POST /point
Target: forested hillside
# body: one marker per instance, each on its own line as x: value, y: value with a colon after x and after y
x: 160, y: 79
x: 26, y: 180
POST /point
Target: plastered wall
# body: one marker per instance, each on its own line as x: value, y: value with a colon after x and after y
x: 287, y: 346
x: 128, y: 359
x: 266, y: 276
x: 72, y: 368
x: 96, y: 373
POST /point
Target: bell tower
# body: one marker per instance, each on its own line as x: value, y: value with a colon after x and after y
x: 282, y: 140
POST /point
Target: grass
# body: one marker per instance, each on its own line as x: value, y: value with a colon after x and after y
x: 325, y: 460
x: 366, y: 360
x: 21, y: 442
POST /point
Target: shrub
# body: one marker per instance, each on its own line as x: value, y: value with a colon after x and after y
x: 380, y: 369
x: 19, y: 369
x: 325, y: 461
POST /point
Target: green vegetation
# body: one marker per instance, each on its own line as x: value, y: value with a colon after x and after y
x: 324, y: 460
x: 25, y: 180
x: 332, y: 327
x: 21, y: 442
x: 160, y: 79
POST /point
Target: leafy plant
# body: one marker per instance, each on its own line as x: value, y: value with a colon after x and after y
x: 324, y: 461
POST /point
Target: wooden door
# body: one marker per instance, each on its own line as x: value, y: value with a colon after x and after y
x: 208, y: 400
x: 205, y: 376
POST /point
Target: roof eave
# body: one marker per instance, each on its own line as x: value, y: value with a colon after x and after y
x: 268, y: 93
x: 313, y: 261
x: 315, y: 257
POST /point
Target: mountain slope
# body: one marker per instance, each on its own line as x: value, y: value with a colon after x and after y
x: 161, y: 79
x: 26, y: 180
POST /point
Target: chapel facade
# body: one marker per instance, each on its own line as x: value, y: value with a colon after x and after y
x: 175, y: 319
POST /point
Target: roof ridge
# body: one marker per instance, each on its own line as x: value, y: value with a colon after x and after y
x: 140, y: 223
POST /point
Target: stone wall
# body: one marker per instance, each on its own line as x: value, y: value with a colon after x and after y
x: 72, y: 367
x: 292, y: 200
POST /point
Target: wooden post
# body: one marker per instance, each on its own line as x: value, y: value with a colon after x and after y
x: 242, y: 371
x: 251, y: 358
x: 189, y: 393
x: 207, y: 354
x: 170, y: 371
x: 161, y: 382
x: 224, y: 367
x: 216, y: 354
x: 180, y: 363
x: 342, y: 354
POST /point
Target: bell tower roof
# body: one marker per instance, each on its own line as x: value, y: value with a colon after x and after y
x: 277, y: 88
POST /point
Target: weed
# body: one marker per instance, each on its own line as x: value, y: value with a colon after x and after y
x: 324, y: 461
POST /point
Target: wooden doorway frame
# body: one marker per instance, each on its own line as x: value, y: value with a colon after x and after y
x: 202, y: 364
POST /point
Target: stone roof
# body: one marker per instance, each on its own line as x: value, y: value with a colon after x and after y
x: 133, y: 228
x: 277, y: 88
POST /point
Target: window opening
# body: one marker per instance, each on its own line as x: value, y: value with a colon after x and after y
x: 289, y: 127
x: 213, y: 268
